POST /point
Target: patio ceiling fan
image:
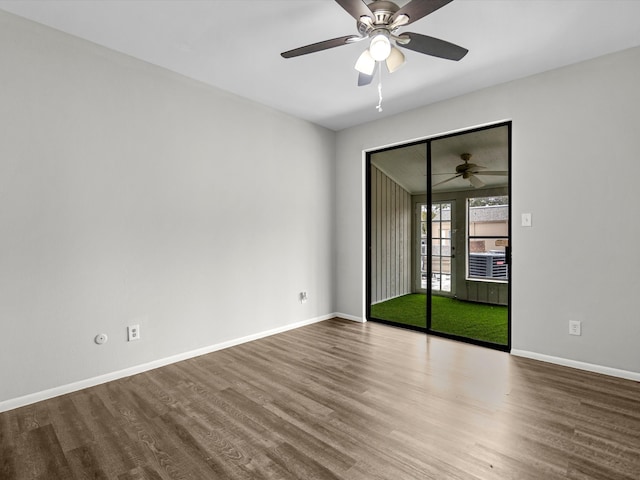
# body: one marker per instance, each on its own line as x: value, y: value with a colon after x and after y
x: 380, y: 21
x: 469, y: 171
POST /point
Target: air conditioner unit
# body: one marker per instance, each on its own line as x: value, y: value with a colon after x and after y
x: 488, y: 265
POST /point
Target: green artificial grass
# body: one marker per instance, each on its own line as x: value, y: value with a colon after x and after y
x: 448, y: 315
x: 408, y: 310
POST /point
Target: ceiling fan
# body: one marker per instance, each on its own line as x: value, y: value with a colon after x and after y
x: 469, y: 171
x: 380, y: 21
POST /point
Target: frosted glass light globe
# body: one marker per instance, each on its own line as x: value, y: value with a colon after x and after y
x: 380, y: 47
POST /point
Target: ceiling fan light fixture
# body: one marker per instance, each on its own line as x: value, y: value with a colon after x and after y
x: 380, y: 47
x: 395, y: 60
x: 366, y: 63
x: 475, y: 181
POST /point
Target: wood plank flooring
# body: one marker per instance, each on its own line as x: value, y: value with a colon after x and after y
x: 335, y: 400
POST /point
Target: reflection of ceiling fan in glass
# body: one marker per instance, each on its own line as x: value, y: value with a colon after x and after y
x: 469, y: 171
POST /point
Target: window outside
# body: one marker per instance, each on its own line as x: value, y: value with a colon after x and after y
x: 488, y: 237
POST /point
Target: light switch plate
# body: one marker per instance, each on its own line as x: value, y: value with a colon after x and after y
x: 526, y: 219
x: 575, y: 327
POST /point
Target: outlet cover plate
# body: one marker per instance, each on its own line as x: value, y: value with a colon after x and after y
x: 133, y: 333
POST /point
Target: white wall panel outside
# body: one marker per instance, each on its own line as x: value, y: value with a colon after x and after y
x: 390, y: 238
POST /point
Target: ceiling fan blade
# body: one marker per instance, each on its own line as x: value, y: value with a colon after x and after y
x: 475, y: 181
x: 431, y: 46
x: 364, y: 79
x: 416, y: 9
x: 317, y: 47
x: 356, y: 8
x: 445, y: 181
x: 492, y: 172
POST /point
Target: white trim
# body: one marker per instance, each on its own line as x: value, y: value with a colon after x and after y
x: 108, y: 377
x: 589, y: 367
x: 392, y: 298
x: 353, y: 318
x: 91, y: 382
x: 425, y: 138
x: 363, y: 232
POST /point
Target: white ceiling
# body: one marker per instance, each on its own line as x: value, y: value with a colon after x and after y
x: 235, y: 45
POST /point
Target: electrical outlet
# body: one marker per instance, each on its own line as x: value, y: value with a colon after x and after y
x: 133, y: 333
x: 575, y: 327
x: 303, y: 297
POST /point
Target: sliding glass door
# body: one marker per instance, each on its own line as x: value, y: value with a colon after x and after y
x: 438, y: 236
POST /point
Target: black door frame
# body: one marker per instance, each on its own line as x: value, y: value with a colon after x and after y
x: 427, y: 142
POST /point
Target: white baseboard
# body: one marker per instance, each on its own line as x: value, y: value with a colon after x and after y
x: 108, y: 377
x: 589, y: 367
x: 353, y: 318
x: 390, y: 298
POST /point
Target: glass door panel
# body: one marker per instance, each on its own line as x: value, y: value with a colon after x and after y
x: 398, y: 238
x: 469, y: 295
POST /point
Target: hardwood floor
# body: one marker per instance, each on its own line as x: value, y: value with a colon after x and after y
x: 335, y: 400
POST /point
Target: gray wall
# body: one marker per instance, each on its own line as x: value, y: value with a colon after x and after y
x: 129, y: 194
x: 575, y: 155
x: 390, y: 238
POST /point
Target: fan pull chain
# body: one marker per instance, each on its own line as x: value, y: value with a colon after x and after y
x: 379, y: 106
